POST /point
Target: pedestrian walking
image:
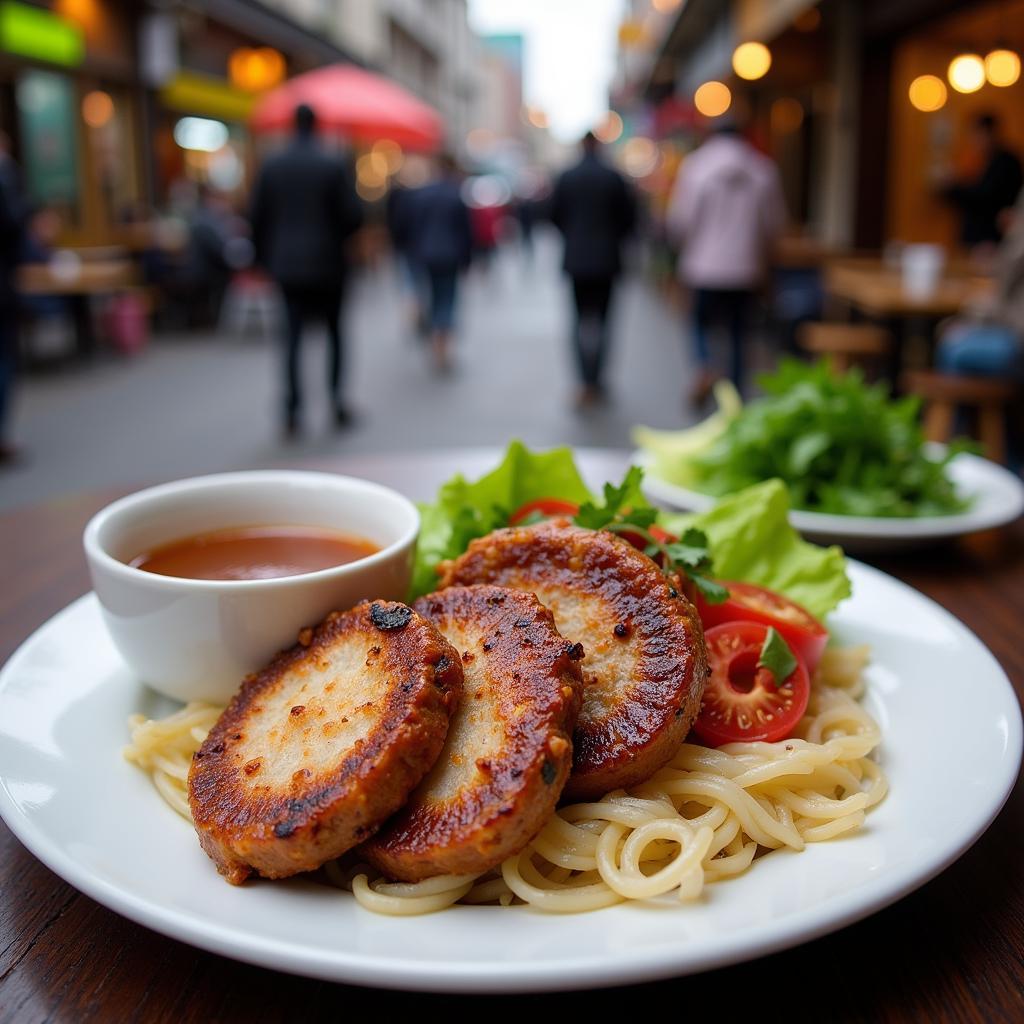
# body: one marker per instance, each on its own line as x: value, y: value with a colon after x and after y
x: 594, y: 209
x: 12, y: 218
x: 442, y: 244
x: 304, y: 210
x: 726, y: 212
x: 400, y: 213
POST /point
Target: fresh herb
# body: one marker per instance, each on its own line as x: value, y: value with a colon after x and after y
x: 691, y: 555
x: 626, y: 511
x: 623, y: 505
x: 777, y: 657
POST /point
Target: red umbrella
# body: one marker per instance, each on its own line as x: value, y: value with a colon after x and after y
x: 354, y: 102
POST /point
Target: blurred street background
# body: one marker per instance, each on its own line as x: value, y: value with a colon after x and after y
x: 759, y: 177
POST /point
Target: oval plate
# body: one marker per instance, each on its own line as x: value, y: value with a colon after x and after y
x: 998, y: 498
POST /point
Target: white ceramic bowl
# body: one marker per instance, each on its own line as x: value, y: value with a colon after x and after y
x: 197, y: 639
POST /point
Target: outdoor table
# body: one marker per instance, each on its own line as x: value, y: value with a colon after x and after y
x: 876, y: 290
x: 88, y: 279
x: 949, y: 952
x: 870, y: 288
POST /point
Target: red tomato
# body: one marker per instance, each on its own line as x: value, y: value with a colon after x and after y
x: 546, y: 507
x: 741, y: 701
x: 805, y: 635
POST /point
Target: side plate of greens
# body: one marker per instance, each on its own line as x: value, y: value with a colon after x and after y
x: 857, y: 467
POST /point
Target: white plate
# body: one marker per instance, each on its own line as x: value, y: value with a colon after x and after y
x: 997, y: 498
x: 952, y: 744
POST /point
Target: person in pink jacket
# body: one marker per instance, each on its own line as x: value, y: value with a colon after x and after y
x: 726, y: 212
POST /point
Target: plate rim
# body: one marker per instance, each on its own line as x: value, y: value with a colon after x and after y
x: 357, y: 968
x: 859, y: 527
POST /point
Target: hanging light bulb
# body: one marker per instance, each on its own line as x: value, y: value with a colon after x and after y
x: 928, y: 93
x: 751, y: 60
x: 967, y: 72
x: 712, y: 99
x: 1002, y: 67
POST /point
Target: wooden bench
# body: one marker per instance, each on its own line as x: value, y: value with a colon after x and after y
x: 845, y: 345
x: 987, y: 397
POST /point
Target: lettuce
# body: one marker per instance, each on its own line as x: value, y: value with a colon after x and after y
x: 464, y: 510
x: 748, y: 533
x: 751, y: 540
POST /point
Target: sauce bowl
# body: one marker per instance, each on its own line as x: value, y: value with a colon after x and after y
x: 193, y: 639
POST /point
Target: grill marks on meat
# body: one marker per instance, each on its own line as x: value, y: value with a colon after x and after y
x: 509, y: 751
x: 645, y: 664
x: 316, y: 750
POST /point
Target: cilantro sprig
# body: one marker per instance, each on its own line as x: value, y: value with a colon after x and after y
x: 625, y: 511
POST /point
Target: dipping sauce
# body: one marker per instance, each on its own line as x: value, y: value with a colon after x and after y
x: 254, y: 553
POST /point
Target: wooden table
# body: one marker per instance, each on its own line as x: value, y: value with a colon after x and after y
x: 877, y: 291
x: 78, y: 284
x: 90, y: 277
x: 952, y: 951
x: 867, y: 287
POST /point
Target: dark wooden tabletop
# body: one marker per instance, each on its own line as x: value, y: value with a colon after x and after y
x: 952, y: 951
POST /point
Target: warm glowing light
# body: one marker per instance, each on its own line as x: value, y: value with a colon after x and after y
x: 751, y: 60
x: 256, y: 69
x: 967, y: 72
x: 97, y: 108
x: 712, y: 99
x: 639, y: 156
x: 610, y: 129
x: 392, y: 154
x: 665, y: 6
x: 632, y: 34
x: 927, y: 93
x: 372, y: 170
x: 787, y: 115
x: 1002, y: 68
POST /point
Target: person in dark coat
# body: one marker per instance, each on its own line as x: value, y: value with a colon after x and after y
x: 594, y: 209
x: 12, y: 224
x: 985, y: 199
x: 442, y: 244
x: 304, y: 209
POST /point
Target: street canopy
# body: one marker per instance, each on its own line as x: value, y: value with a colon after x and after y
x: 351, y: 101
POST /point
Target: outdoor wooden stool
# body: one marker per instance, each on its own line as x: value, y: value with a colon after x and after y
x: 846, y: 345
x: 987, y: 397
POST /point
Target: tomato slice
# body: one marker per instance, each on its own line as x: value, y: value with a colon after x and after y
x: 742, y: 702
x: 546, y: 507
x: 805, y: 635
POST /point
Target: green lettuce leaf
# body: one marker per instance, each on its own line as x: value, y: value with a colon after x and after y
x: 465, y: 510
x: 751, y: 540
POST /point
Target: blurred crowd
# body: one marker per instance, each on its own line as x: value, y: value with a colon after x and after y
x: 295, y: 239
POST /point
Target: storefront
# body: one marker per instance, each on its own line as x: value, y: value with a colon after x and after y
x: 70, y: 102
x: 206, y: 67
